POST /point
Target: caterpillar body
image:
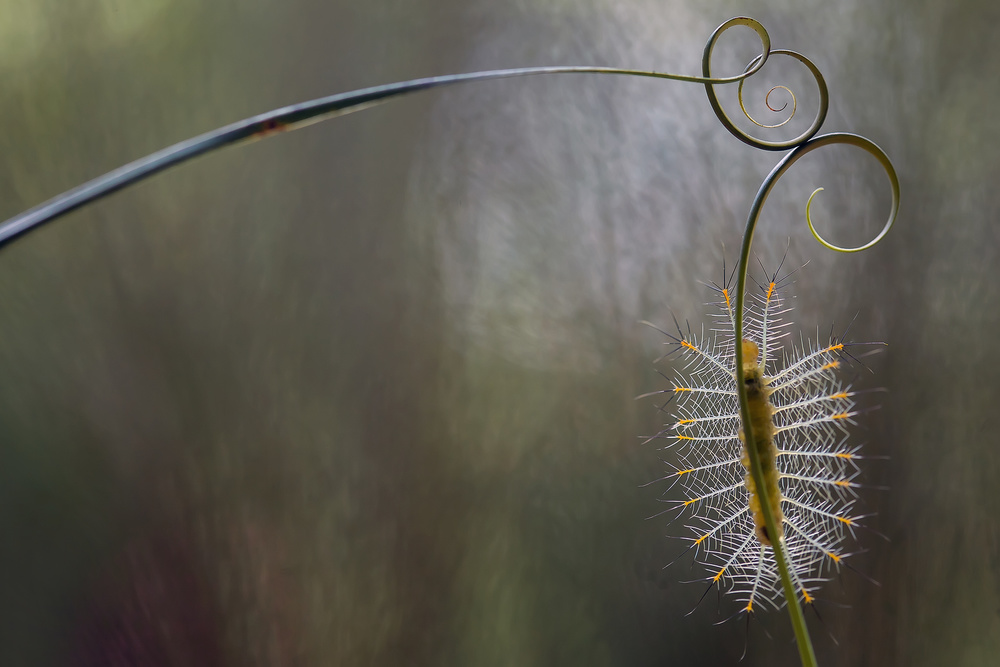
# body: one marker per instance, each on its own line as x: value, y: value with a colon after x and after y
x: 799, y: 412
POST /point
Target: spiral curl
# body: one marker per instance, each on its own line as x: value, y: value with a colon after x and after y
x: 767, y: 102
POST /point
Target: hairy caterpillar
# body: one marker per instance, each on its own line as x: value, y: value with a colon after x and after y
x: 799, y: 413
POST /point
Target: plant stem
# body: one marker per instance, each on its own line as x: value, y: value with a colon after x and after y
x: 806, y: 653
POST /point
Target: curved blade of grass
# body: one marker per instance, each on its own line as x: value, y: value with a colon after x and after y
x: 300, y: 115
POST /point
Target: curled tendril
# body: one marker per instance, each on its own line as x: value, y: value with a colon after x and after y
x: 772, y: 178
x: 754, y: 65
x: 767, y: 101
x: 825, y: 140
x: 767, y: 98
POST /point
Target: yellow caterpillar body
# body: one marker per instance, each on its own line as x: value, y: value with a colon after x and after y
x: 761, y: 413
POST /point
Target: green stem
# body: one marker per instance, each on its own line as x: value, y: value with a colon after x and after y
x: 806, y: 652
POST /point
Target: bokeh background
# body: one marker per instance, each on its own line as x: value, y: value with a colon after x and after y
x: 364, y: 394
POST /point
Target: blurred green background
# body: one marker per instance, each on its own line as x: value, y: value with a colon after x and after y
x: 363, y: 394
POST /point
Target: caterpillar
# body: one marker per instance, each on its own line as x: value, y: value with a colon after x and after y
x: 799, y: 412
